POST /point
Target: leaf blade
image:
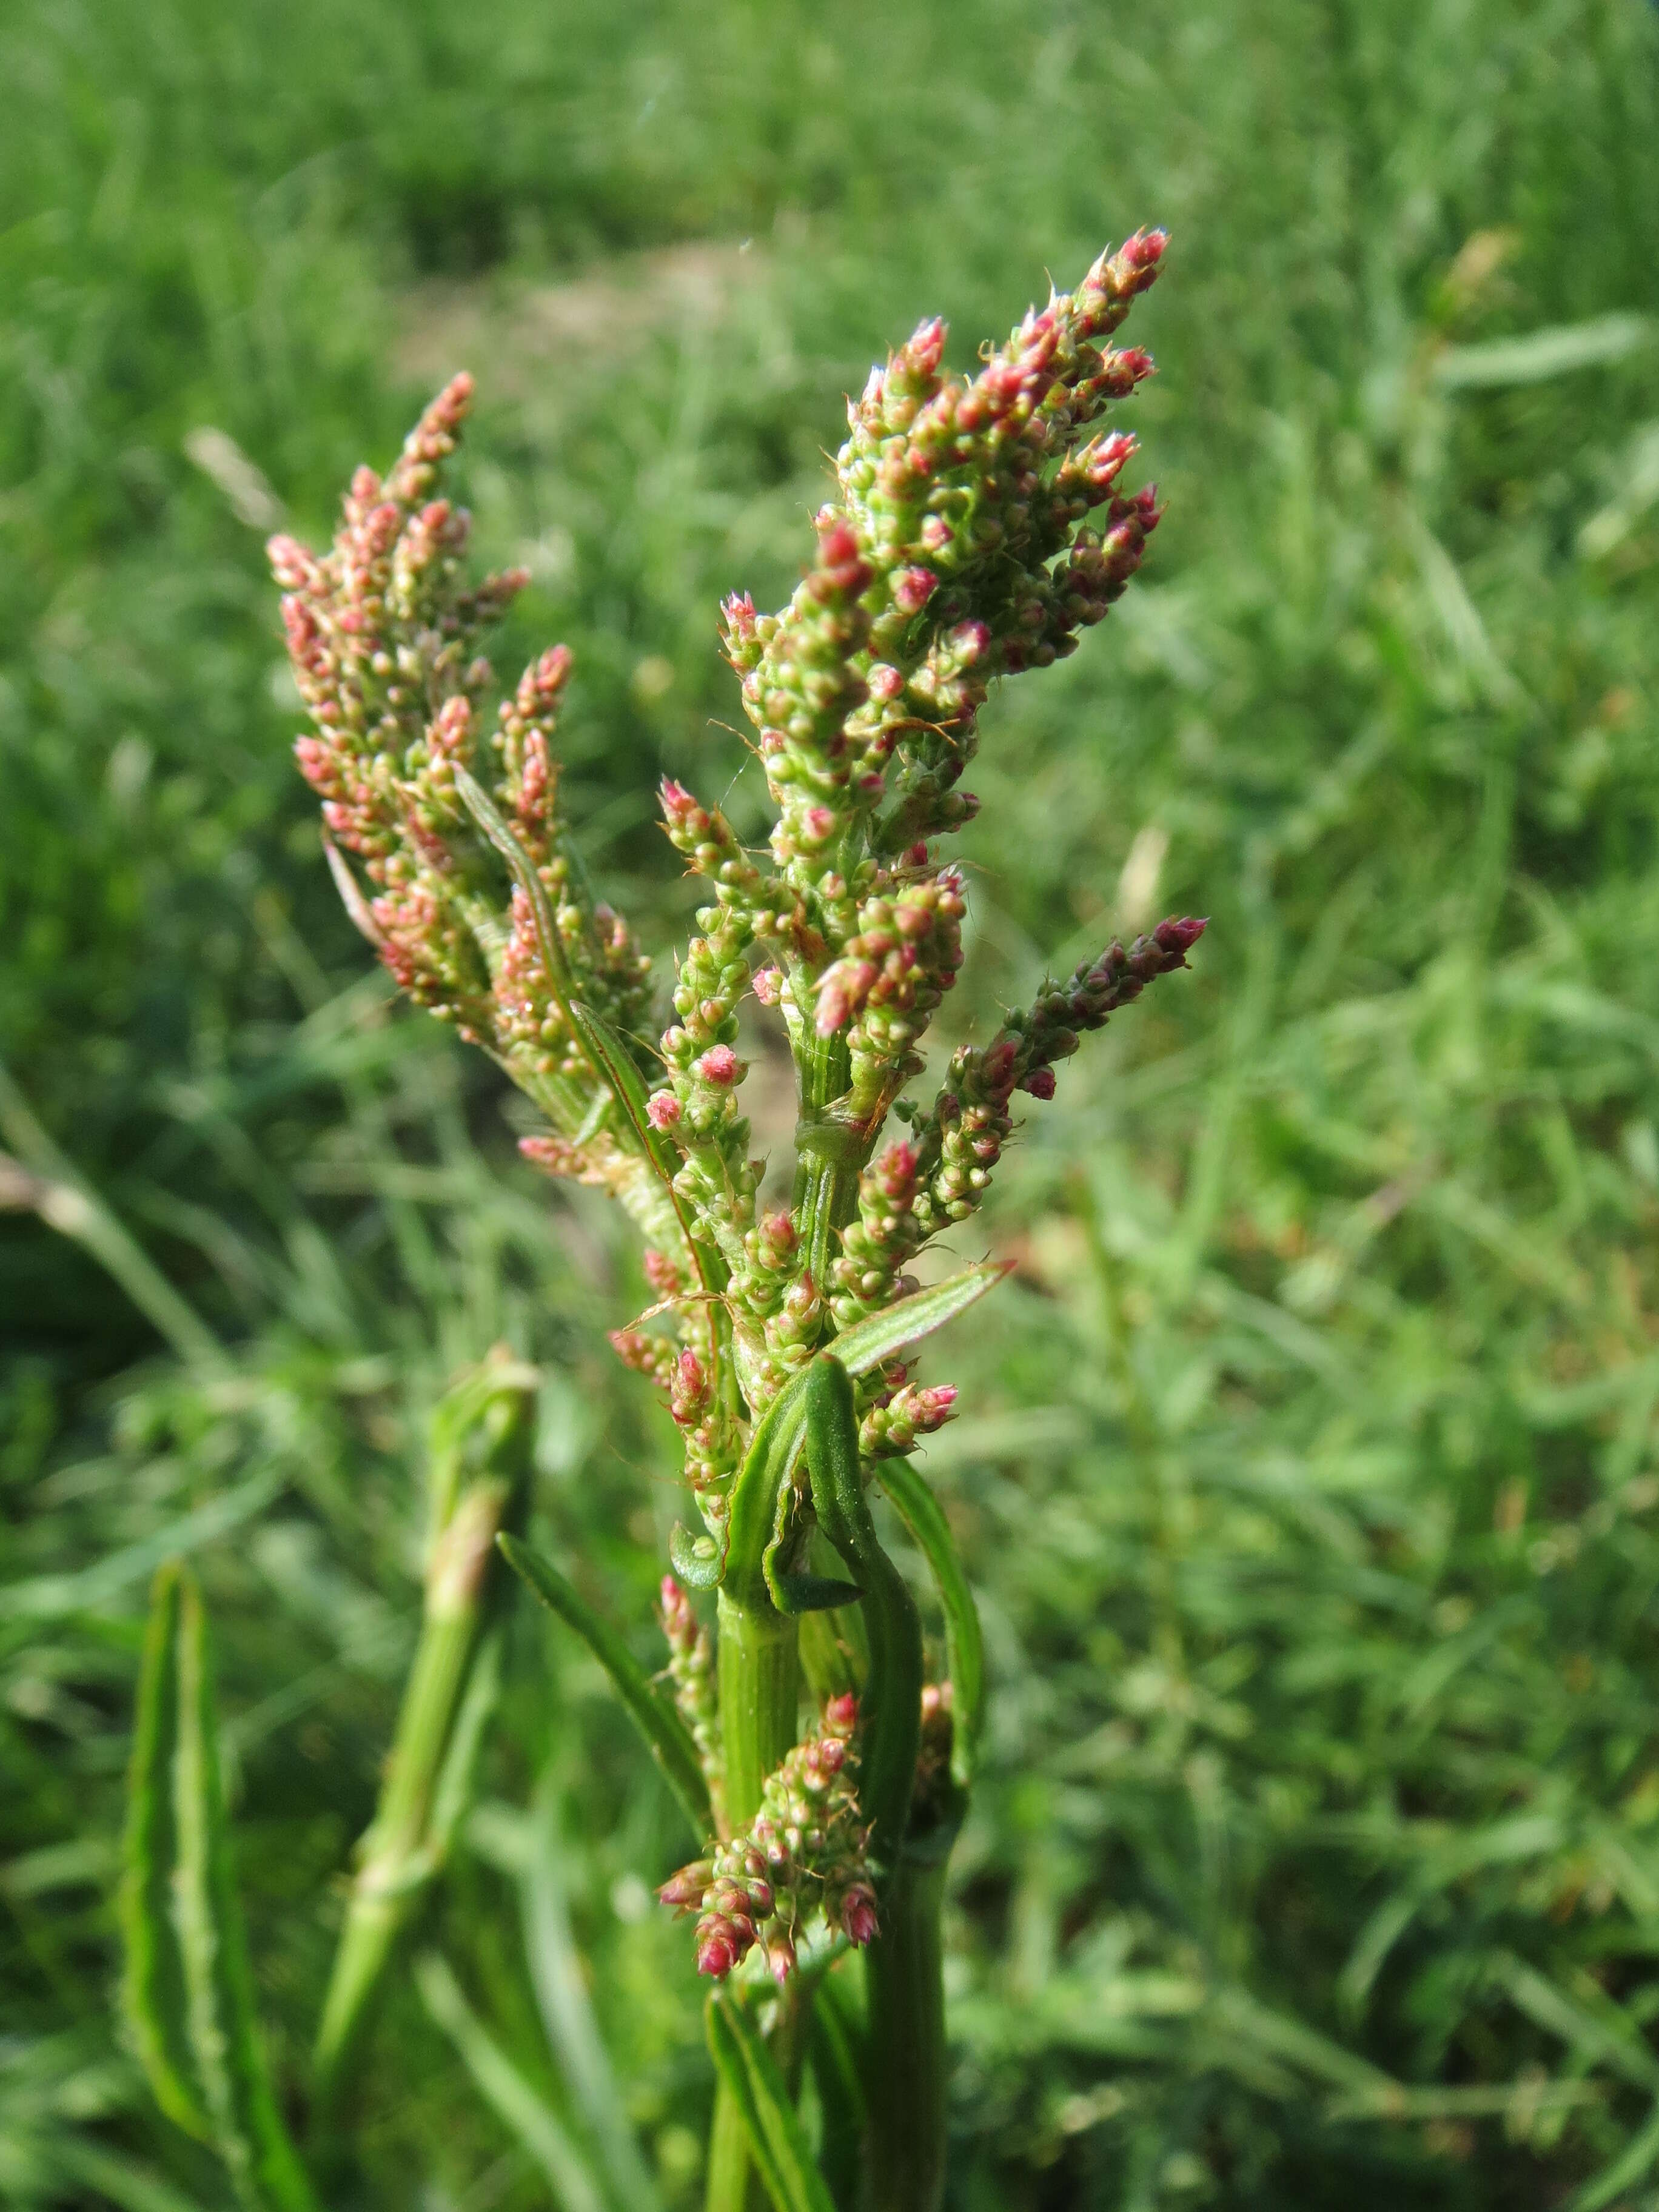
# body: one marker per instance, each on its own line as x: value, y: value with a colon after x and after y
x: 776, y: 2137
x: 153, y: 1992
x: 964, y: 1642
x: 505, y: 2090
x: 667, y: 1736
x: 248, y: 2131
x: 868, y: 1343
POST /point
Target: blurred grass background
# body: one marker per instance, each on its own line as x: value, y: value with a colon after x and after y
x: 1307, y: 1469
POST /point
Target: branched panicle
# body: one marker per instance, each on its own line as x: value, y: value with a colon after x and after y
x: 976, y: 525
x: 802, y: 1859
x: 384, y: 636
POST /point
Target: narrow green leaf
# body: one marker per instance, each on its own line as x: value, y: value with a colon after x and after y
x: 153, y: 1979
x: 867, y: 1344
x: 247, y: 2129
x: 66, y: 1202
x: 489, y: 819
x: 505, y: 2090
x: 838, y: 2045
x: 892, y: 1695
x: 964, y: 1645
x: 1537, y: 355
x: 667, y: 1736
x: 559, y: 1976
x: 1632, y: 2165
x: 611, y: 1057
x: 775, y: 2136
x: 615, y: 1065
x: 751, y: 1524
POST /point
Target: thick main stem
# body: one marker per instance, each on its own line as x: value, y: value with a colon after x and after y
x: 905, y: 2083
x: 760, y: 1698
x: 830, y: 1156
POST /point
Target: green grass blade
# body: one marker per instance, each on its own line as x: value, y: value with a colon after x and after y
x: 964, y: 1644
x: 247, y: 2129
x: 775, y: 2136
x: 838, y: 2047
x: 513, y: 2098
x: 665, y: 1734
x: 153, y: 1992
x: 559, y: 1976
x: 896, y: 1328
x: 1632, y: 2165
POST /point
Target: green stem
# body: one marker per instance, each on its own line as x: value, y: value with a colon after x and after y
x: 906, y: 2056
x: 831, y: 1156
x: 760, y: 1698
x: 489, y: 1418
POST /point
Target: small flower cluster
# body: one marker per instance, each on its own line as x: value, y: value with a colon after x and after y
x: 960, y: 1141
x: 383, y: 636
x: 804, y: 1855
x: 692, y: 1670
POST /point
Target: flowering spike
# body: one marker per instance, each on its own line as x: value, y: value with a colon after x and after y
x: 802, y: 1857
x: 977, y: 525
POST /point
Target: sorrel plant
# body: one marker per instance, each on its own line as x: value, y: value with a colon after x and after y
x: 978, y: 525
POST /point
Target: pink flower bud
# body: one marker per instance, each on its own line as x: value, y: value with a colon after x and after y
x: 1180, y: 935
x: 842, y: 567
x: 680, y: 809
x: 780, y: 1958
x: 738, y: 614
x: 689, y: 1392
x: 998, y: 1066
x: 1145, y: 250
x: 662, y: 1109
x: 932, y: 1405
x: 913, y: 589
x: 767, y: 984
x: 884, y: 682
x: 718, y: 1949
x: 837, y: 541
x: 719, y: 1065
x: 858, y: 1914
x: 840, y: 1714
x: 924, y: 348
x: 661, y: 1274
x: 1040, y: 1083
x: 685, y: 1888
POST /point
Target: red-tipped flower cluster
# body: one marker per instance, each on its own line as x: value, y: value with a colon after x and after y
x: 977, y: 525
x: 802, y: 1858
